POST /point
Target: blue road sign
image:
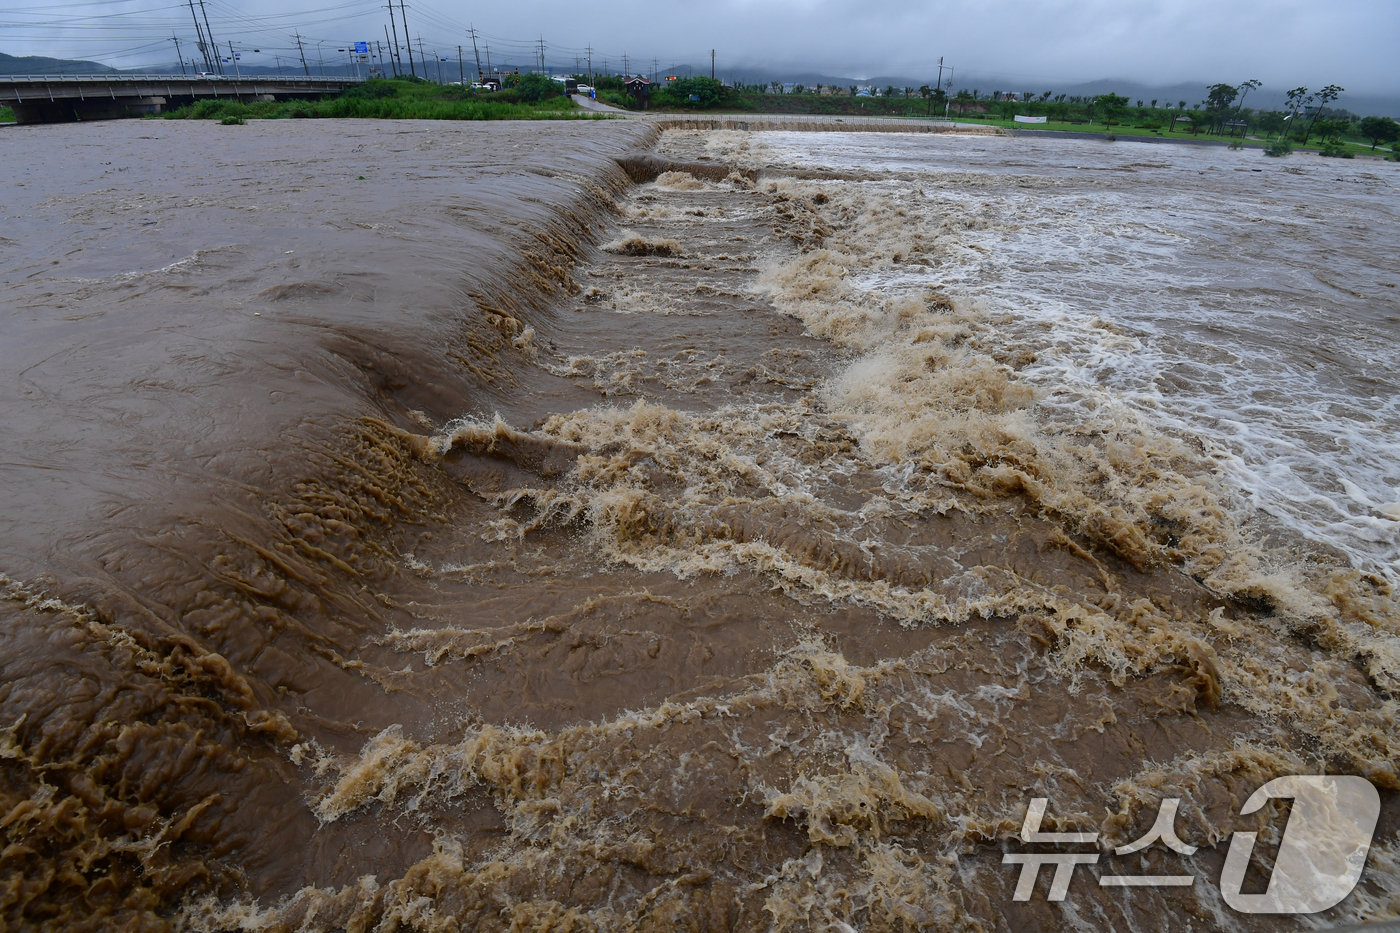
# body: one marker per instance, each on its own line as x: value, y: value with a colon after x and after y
x: 362, y: 48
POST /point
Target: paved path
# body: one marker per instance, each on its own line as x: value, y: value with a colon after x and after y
x: 597, y: 106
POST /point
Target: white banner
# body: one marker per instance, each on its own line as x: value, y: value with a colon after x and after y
x: 1021, y: 119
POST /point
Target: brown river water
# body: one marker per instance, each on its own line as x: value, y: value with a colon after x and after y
x: 439, y: 527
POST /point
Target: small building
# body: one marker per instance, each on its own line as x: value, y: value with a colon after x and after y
x: 639, y: 87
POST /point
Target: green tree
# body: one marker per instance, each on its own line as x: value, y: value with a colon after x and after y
x: 1220, y: 96
x: 533, y: 88
x: 695, y: 92
x: 1328, y: 129
x: 1250, y: 85
x: 1271, y: 121
x: 1111, y: 106
x: 1296, y: 102
x: 1380, y: 130
x: 1324, y: 97
x: 1200, y: 121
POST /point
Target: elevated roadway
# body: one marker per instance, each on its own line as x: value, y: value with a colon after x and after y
x: 66, y: 98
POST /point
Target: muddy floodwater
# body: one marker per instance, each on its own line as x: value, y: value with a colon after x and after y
x: 427, y: 526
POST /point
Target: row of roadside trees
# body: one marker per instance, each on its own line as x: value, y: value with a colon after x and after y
x: 1223, y: 111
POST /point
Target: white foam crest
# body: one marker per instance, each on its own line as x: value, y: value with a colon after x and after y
x: 1143, y: 294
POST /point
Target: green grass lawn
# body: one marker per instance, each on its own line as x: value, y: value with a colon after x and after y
x: 7, y: 115
x: 814, y: 104
x: 393, y: 99
x: 1164, y: 133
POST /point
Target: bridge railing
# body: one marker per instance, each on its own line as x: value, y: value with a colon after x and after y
x: 146, y: 79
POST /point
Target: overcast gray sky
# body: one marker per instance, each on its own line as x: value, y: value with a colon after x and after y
x: 1047, y: 43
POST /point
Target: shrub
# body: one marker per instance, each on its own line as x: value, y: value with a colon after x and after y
x: 534, y: 88
x: 232, y: 121
x: 373, y: 89
x: 400, y: 99
x: 1334, y: 148
x: 1281, y: 148
x: 680, y: 93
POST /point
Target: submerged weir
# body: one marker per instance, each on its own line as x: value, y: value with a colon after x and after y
x: 582, y: 527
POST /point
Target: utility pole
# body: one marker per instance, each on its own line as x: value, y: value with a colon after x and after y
x: 940, y: 85
x: 625, y: 72
x: 393, y: 63
x: 278, y: 59
x: 712, y: 64
x: 394, y: 49
x: 203, y: 46
x: 541, y: 68
x: 590, y: 64
x: 210, y: 33
x: 461, y: 69
x: 403, y: 12
x: 476, y: 53
x: 304, y: 67
x: 422, y: 56
x: 176, y: 40
x: 234, y: 55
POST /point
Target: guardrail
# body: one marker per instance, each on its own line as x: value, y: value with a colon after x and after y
x: 146, y: 79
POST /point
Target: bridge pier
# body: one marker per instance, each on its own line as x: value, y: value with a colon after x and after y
x: 70, y: 110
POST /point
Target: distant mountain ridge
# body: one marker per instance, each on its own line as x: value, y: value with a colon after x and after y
x: 39, y: 65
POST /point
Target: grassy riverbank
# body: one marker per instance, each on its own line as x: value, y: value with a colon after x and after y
x: 400, y: 99
x: 1349, y: 145
x: 7, y: 115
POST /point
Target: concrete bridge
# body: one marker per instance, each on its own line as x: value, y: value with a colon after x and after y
x: 66, y: 98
